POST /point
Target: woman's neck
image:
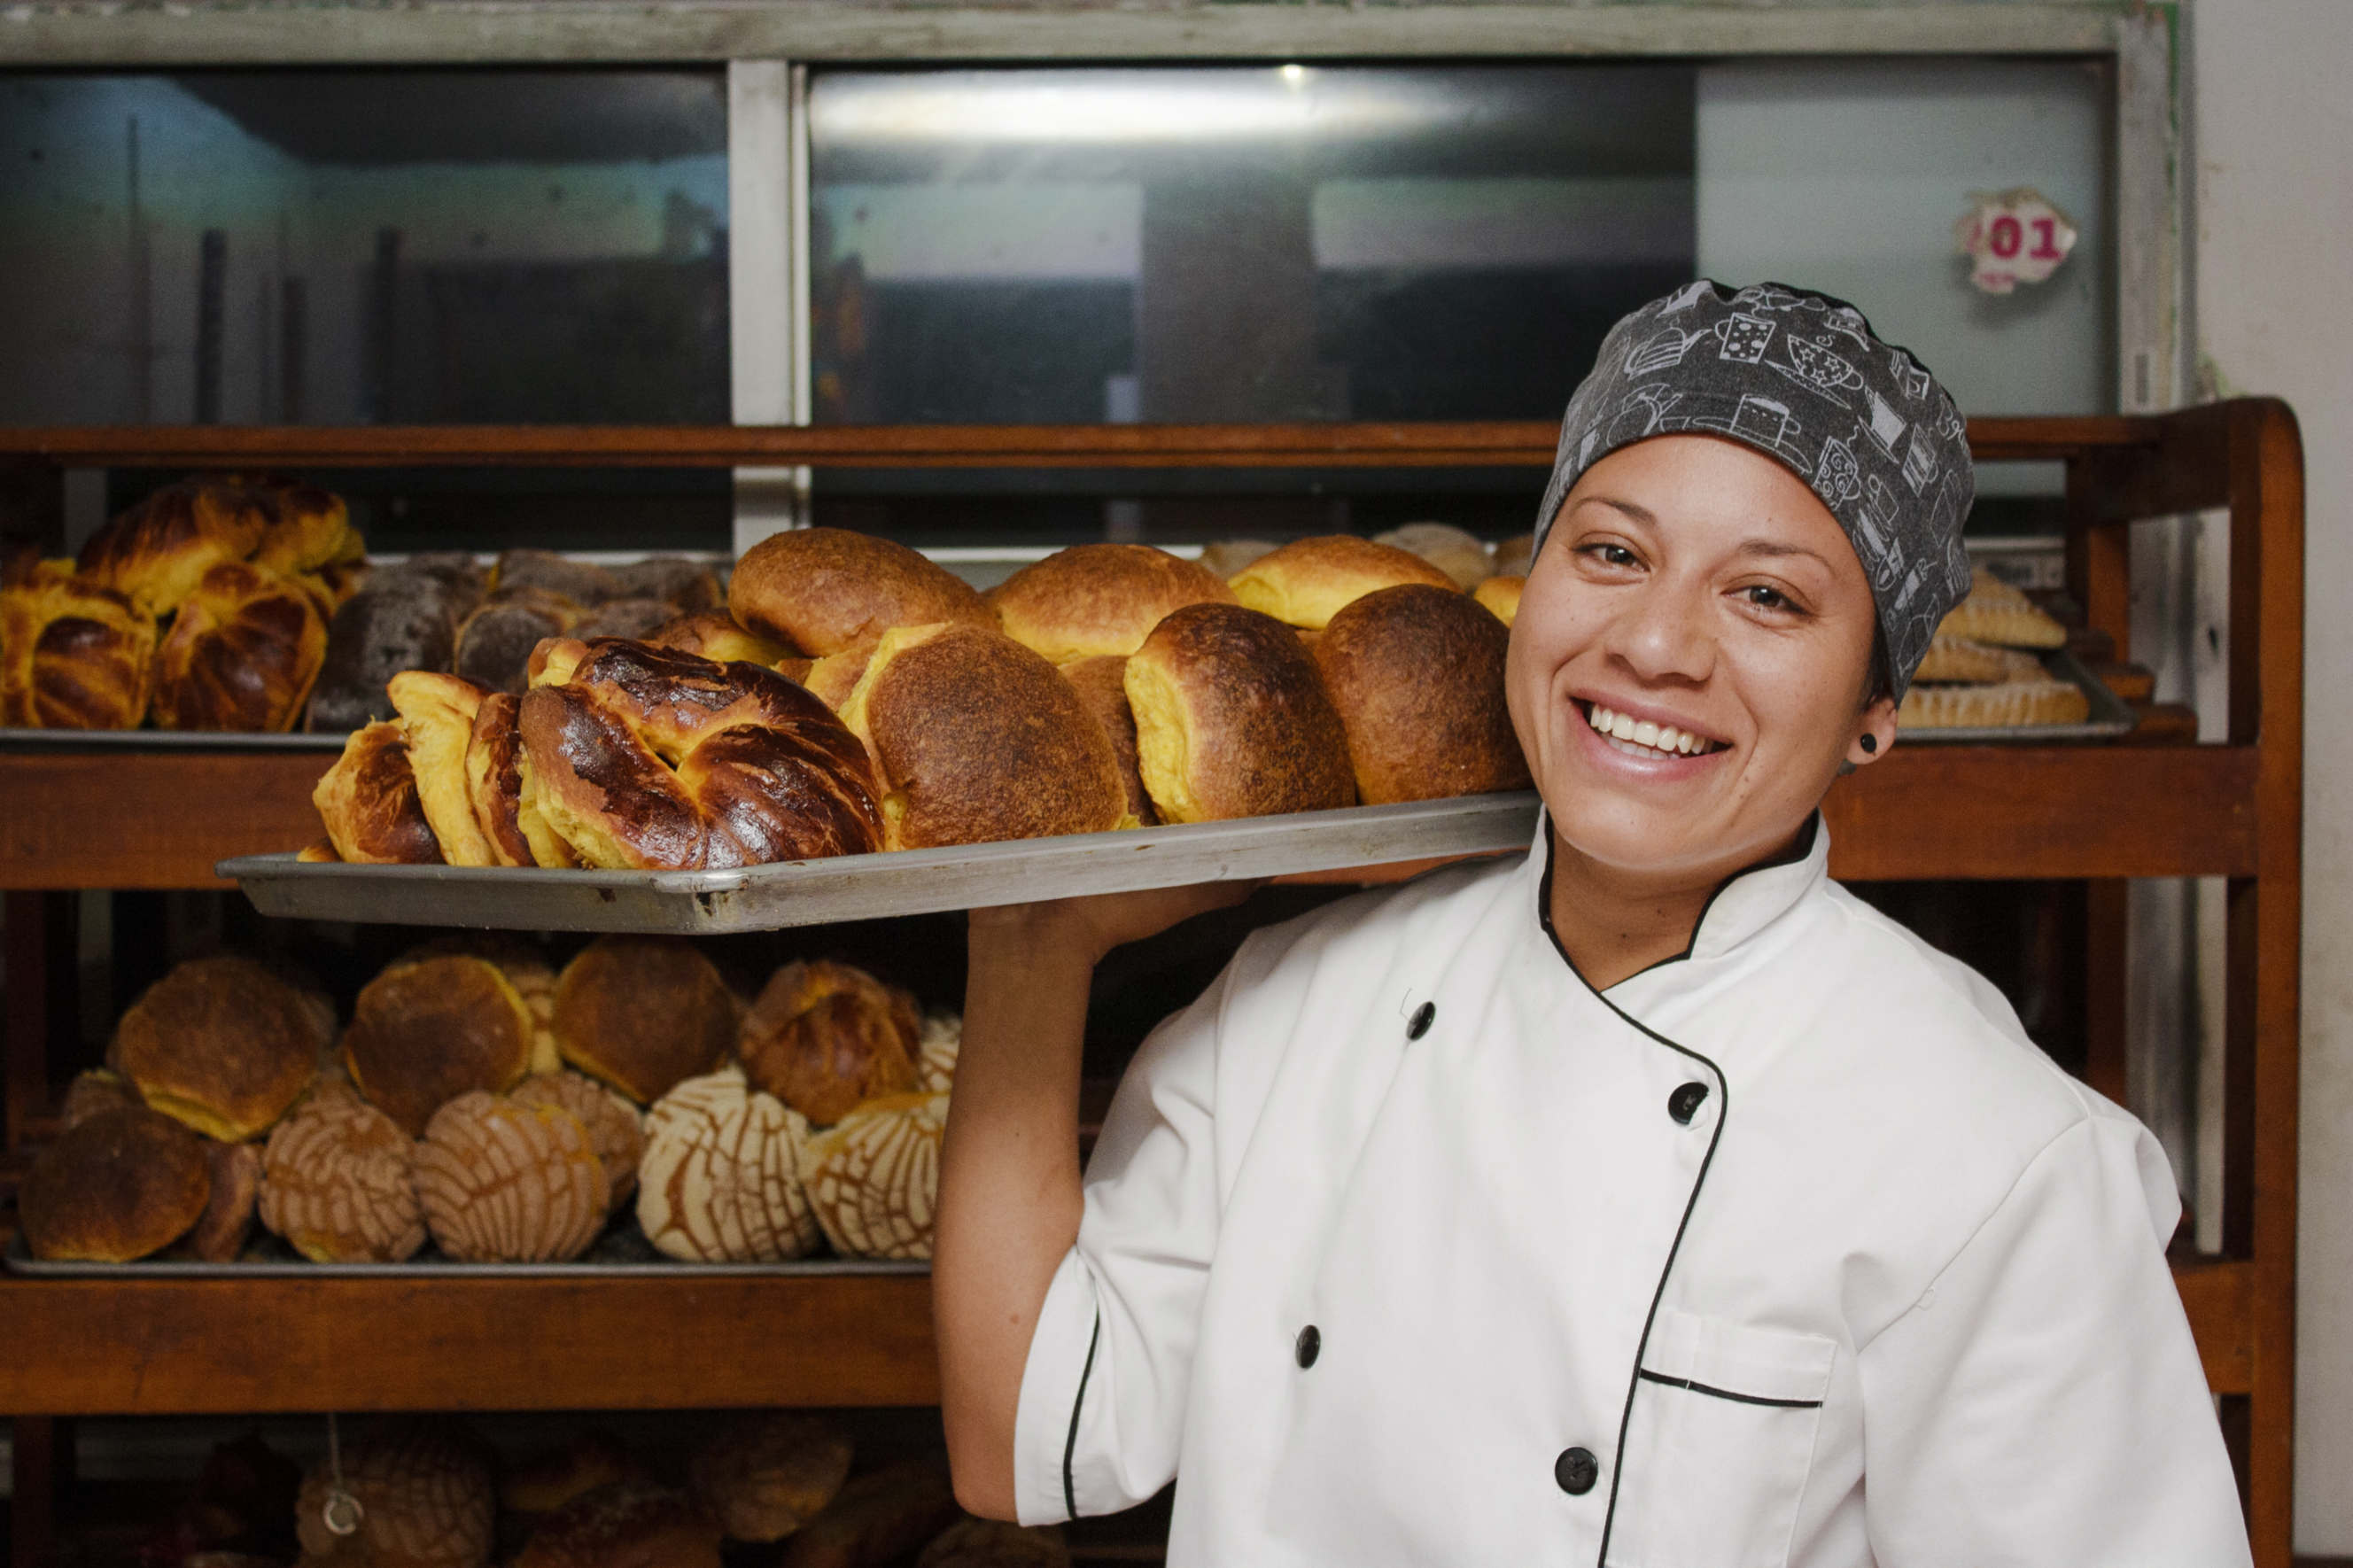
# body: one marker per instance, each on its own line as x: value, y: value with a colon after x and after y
x: 1612, y: 925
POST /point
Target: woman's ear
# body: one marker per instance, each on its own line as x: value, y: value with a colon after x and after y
x: 1874, y: 733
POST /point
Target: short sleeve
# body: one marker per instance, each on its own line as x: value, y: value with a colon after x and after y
x: 1104, y: 1390
x: 2043, y: 1403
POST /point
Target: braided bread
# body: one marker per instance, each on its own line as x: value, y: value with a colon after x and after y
x: 242, y: 653
x: 643, y: 758
x: 78, y: 655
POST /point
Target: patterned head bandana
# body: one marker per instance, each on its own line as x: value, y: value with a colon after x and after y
x: 1799, y: 377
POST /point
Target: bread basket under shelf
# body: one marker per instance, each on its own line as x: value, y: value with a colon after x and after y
x: 899, y: 882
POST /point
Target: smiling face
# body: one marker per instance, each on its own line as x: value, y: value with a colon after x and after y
x: 1690, y: 659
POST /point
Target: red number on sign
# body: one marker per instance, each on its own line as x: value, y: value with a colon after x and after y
x: 2005, y: 237
x: 2046, y: 247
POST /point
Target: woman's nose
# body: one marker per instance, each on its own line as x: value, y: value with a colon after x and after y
x: 1663, y: 635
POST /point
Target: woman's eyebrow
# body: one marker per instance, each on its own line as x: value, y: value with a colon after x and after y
x: 1774, y: 548
x: 1639, y: 514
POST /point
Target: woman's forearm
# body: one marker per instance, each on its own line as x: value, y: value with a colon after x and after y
x: 1010, y: 1194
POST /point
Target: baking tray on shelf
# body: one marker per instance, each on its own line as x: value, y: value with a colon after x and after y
x: 2109, y: 718
x: 891, y: 882
x: 167, y: 741
x: 272, y: 1261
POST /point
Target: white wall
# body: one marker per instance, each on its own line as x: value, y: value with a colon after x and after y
x: 2273, y: 128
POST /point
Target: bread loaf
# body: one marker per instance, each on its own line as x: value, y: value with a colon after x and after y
x: 1501, y: 597
x: 993, y: 1543
x: 616, y: 1129
x: 74, y: 655
x: 407, y: 618
x: 824, y: 1036
x: 1096, y: 599
x: 763, y: 1476
x: 494, y: 643
x: 428, y: 1030
x: 221, y: 1044
x: 424, y: 1502
x: 820, y: 590
x: 715, y: 635
x: 640, y: 758
x: 877, y: 1518
x: 977, y: 739
x: 113, y: 1189
x: 1309, y: 581
x: 688, y: 586
x: 158, y: 551
x: 1232, y: 719
x: 873, y: 1178
x: 369, y: 804
x: 1462, y: 556
x: 503, y: 1182
x: 627, y: 1524
x: 436, y: 719
x: 719, y: 1182
x: 336, y: 1182
x: 642, y: 1013
x: 638, y: 618
x: 581, y: 584
x: 1101, y: 685
x: 1416, y: 675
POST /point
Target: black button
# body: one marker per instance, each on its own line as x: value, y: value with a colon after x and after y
x: 1419, y: 1024
x: 1307, y: 1346
x: 1576, y: 1471
x: 1684, y: 1103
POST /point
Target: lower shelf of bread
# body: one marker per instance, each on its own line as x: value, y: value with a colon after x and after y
x: 680, y: 1339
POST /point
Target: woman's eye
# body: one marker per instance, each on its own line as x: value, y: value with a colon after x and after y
x: 1613, y: 554
x: 1764, y: 597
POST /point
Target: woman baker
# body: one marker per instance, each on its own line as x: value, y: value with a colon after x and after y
x: 1650, y: 1201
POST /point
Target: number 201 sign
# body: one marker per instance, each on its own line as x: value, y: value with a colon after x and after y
x: 2015, y: 236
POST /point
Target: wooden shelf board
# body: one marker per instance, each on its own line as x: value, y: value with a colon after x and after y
x: 158, y: 1347
x: 149, y: 1346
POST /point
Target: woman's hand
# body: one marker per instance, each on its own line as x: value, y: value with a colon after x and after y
x: 1090, y: 926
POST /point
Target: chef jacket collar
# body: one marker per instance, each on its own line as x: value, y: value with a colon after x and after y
x: 1744, y: 906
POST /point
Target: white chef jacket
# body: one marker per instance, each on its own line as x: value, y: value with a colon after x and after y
x: 1403, y: 1245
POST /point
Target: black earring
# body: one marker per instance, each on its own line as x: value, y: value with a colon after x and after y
x: 1870, y: 745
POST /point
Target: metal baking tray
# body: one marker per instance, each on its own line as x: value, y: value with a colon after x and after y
x: 893, y: 882
x: 2110, y: 717
x: 274, y: 1261
x: 167, y: 741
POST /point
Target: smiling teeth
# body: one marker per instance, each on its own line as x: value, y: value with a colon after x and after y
x: 1630, y: 733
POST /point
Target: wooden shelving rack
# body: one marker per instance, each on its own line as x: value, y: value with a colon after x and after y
x: 2157, y: 804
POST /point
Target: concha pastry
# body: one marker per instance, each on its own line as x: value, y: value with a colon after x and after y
x: 337, y: 1185
x: 616, y: 1127
x: 719, y: 1182
x: 429, y: 1029
x: 1995, y: 612
x: 503, y: 1182
x: 873, y: 1178
x: 935, y: 1052
x: 424, y: 1502
x: 628, y: 1524
x: 221, y: 1044
x: 764, y: 1477
x: 993, y: 1543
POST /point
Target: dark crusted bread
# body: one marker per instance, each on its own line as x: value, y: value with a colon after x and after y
x: 1232, y: 719
x: 1418, y: 677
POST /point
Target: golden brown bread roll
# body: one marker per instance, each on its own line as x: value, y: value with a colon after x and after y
x: 527, y: 969
x: 242, y: 653
x: 424, y: 1502
x: 762, y: 1477
x: 504, y: 1181
x: 1501, y: 597
x: 641, y: 1013
x: 158, y: 551
x: 369, y: 804
x: 1228, y: 556
x: 833, y: 678
x: 220, y: 1233
x: 546, y: 1482
x: 719, y: 1182
x: 221, y: 1044
x: 1462, y: 556
x: 626, y: 1524
x: 824, y: 1036
x: 428, y: 1030
x: 436, y: 719
x: 1232, y: 719
x: 715, y: 635
x: 642, y: 758
x: 1416, y: 675
x: 1309, y: 581
x: 873, y: 1177
x: 310, y: 531
x: 877, y: 1518
x: 93, y: 1092
x: 113, y: 1189
x: 74, y: 655
x: 616, y: 1129
x: 1101, y: 685
x: 1096, y: 599
x: 820, y: 590
x: 337, y: 1183
x: 977, y: 739
x: 993, y: 1543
